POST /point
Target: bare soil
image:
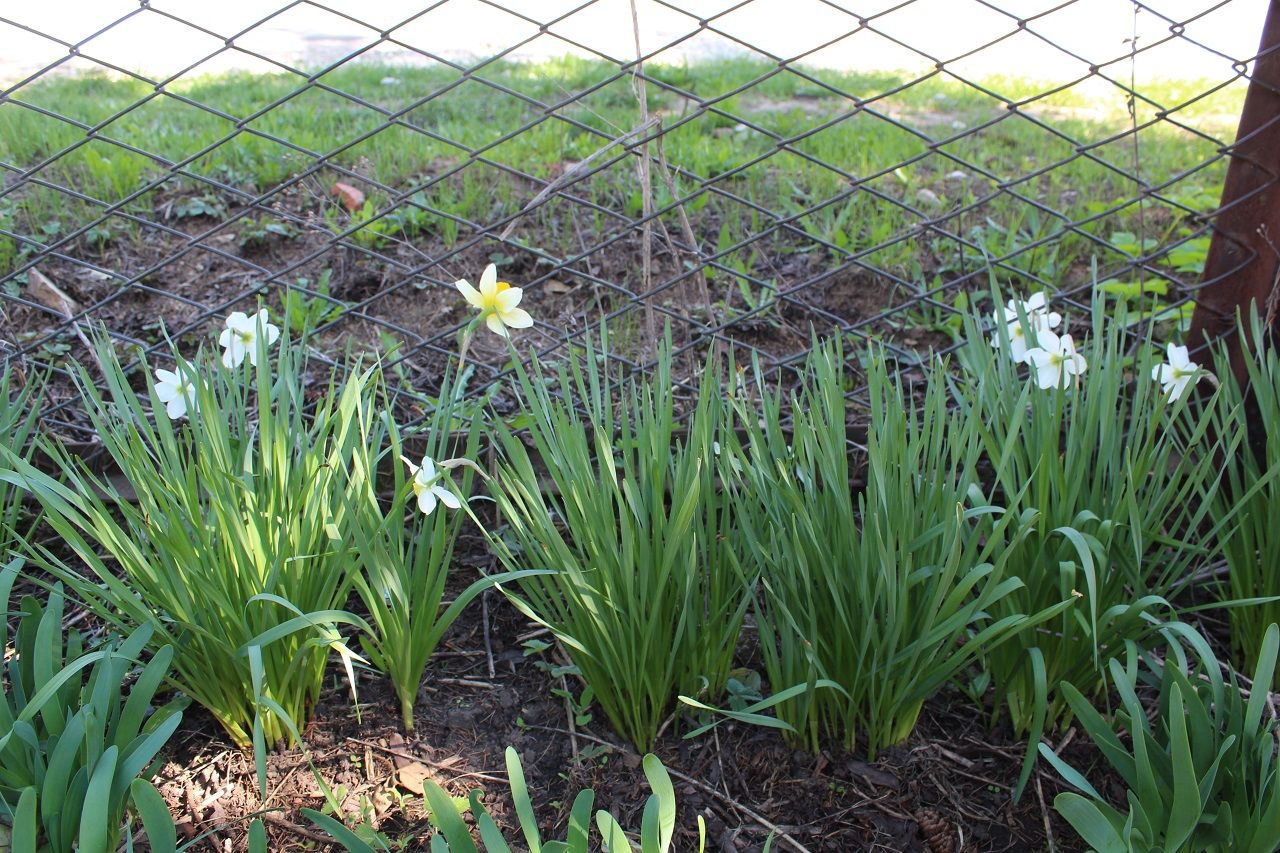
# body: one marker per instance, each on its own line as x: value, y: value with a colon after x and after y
x: 947, y: 789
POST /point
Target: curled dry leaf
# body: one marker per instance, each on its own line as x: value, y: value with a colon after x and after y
x: 50, y: 295
x: 352, y: 199
x: 411, y: 776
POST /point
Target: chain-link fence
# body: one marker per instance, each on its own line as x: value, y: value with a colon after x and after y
x: 750, y: 171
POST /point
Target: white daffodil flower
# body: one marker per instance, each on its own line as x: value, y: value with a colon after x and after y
x: 240, y: 337
x: 177, y: 392
x: 1039, y: 319
x: 427, y: 487
x: 1055, y: 359
x: 1037, y: 305
x: 1178, y: 373
x: 1017, y: 339
x: 496, y: 301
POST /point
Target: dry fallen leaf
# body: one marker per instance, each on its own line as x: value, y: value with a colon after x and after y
x: 555, y: 285
x: 411, y: 776
x: 49, y: 294
x: 352, y: 199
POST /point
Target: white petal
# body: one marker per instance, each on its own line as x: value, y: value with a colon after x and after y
x: 273, y: 333
x: 427, y: 470
x: 166, y: 377
x: 1048, y: 373
x: 1035, y: 303
x: 1049, y: 376
x: 495, y: 325
x: 224, y: 339
x: 1052, y: 320
x: 427, y: 501
x: 446, y: 497
x: 516, y: 318
x: 489, y: 279
x: 1048, y: 341
x: 508, y: 299
x: 176, y: 408
x: 469, y: 293
x: 233, y: 356
x: 238, y: 321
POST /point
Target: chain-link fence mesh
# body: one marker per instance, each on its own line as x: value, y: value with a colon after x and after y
x: 747, y: 172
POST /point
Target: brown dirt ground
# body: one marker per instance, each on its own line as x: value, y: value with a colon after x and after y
x: 946, y: 790
x: 191, y: 285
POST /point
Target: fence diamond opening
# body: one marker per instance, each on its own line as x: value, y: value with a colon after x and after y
x: 752, y: 172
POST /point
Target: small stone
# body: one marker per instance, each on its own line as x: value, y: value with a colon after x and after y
x: 928, y: 198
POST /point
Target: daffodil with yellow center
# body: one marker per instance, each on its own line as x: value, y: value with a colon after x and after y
x: 496, y: 301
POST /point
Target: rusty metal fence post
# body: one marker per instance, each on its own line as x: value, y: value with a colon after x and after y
x: 1243, y: 263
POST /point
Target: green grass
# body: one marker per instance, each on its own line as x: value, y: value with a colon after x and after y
x: 254, y: 132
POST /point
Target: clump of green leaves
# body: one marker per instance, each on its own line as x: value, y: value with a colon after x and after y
x: 72, y: 749
x: 642, y: 588
x: 1246, y: 504
x: 235, y: 545
x: 882, y: 599
x: 19, y: 414
x: 404, y: 555
x: 1202, y: 772
x: 1114, y: 480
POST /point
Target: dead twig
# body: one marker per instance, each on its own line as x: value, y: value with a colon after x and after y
x: 686, y: 228
x: 421, y: 759
x: 645, y: 172
x: 1044, y: 813
x: 575, y: 174
x: 301, y: 831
